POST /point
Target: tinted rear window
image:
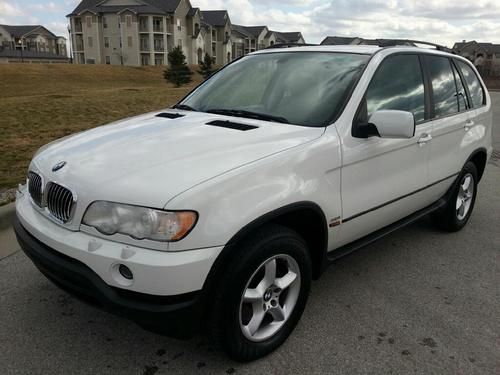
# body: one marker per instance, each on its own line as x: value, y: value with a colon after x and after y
x: 475, y: 88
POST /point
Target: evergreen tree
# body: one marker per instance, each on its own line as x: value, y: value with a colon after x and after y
x: 206, y: 66
x: 178, y: 72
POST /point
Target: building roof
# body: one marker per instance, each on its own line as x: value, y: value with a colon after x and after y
x: 241, y: 30
x: 19, y: 31
x: 339, y: 40
x: 488, y: 47
x: 249, y: 31
x: 288, y: 37
x: 143, y: 6
x: 192, y: 12
x: 255, y: 31
x: 215, y: 17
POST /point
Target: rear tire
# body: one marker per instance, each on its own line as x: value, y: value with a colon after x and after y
x: 261, y: 296
x: 461, y: 203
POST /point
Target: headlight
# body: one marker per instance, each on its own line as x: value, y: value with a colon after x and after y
x: 139, y: 222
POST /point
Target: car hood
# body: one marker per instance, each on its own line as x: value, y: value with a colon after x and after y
x: 147, y: 160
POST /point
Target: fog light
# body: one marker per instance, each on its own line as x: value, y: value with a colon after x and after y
x: 125, y: 272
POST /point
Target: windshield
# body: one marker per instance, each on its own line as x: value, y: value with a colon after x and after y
x: 302, y: 88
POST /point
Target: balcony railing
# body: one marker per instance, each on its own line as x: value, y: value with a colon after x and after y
x: 159, y: 45
x: 158, y: 28
x: 78, y: 28
x: 143, y: 28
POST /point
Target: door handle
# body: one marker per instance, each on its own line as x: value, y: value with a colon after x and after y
x: 424, y: 138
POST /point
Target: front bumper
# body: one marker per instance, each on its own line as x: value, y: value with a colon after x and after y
x: 177, y: 316
x: 156, y: 272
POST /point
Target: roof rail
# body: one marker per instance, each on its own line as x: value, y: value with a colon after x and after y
x: 397, y: 42
x: 290, y: 45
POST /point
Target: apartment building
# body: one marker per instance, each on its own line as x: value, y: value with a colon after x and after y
x: 486, y: 56
x: 31, y: 44
x: 247, y: 39
x: 218, y: 41
x: 142, y: 32
x: 132, y: 32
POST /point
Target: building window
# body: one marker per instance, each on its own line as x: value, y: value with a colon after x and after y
x: 129, y: 21
x: 144, y: 43
x: 159, y: 46
x: 90, y: 61
x: 143, y: 23
x: 159, y: 59
x: 106, y: 42
x: 129, y: 42
x: 89, y: 21
x: 90, y: 42
x: 157, y: 24
x: 179, y: 26
x: 179, y: 43
x: 108, y: 60
x: 104, y: 23
x: 145, y: 59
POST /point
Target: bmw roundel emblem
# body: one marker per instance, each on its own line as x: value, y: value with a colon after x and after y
x: 58, y: 166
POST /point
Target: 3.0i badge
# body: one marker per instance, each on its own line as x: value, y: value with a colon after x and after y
x: 58, y: 166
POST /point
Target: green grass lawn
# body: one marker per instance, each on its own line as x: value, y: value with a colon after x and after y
x: 40, y: 103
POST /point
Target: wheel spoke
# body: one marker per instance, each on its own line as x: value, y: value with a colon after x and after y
x: 459, y: 203
x: 270, y: 273
x: 277, y: 313
x: 466, y: 183
x: 252, y: 295
x: 285, y: 281
x: 257, y: 318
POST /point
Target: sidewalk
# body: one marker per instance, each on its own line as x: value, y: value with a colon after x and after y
x: 8, y: 242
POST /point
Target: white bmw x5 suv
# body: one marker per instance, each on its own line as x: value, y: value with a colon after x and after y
x: 216, y: 214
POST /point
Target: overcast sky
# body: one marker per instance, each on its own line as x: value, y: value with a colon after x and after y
x: 440, y: 21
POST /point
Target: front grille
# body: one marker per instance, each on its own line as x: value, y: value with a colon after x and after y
x: 59, y: 201
x: 35, y: 188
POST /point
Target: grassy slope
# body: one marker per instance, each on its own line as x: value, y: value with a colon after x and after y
x: 39, y: 103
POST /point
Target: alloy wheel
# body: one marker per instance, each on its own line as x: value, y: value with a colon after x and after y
x: 269, y: 297
x: 464, y: 197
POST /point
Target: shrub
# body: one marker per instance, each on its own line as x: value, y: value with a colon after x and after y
x: 178, y: 72
x: 206, y: 66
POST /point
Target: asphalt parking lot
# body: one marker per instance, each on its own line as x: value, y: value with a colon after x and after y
x: 418, y: 301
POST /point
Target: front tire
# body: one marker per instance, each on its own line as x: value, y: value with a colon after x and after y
x: 262, y: 294
x: 461, y: 203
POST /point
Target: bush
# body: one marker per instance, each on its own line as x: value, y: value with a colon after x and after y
x: 206, y: 66
x: 178, y: 72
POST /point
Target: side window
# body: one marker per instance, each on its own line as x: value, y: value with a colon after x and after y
x: 475, y: 89
x: 443, y: 86
x: 398, y: 84
x: 463, y: 102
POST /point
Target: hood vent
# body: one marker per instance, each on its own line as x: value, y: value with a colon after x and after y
x: 232, y: 125
x: 169, y: 115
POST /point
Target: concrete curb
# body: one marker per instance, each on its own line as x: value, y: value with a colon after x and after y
x: 7, y: 214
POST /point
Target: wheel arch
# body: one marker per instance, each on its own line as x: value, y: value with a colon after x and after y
x: 479, y: 157
x: 306, y: 218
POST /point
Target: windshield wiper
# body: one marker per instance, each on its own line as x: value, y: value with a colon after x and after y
x: 184, y: 107
x: 248, y: 114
